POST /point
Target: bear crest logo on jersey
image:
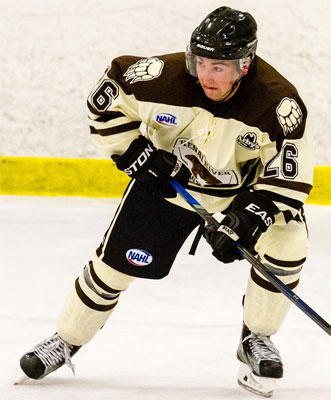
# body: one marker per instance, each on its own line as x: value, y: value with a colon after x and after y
x: 203, y: 174
x: 249, y: 141
x: 289, y: 115
x: 144, y: 70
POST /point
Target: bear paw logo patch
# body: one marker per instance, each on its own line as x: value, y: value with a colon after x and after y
x: 289, y: 115
x: 249, y: 141
x: 144, y: 70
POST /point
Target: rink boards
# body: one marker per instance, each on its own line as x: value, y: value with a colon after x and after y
x: 33, y: 176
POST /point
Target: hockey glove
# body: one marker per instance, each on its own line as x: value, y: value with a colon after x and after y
x: 251, y: 214
x: 152, y: 168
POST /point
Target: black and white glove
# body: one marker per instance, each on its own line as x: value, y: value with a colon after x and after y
x: 251, y: 214
x: 152, y: 167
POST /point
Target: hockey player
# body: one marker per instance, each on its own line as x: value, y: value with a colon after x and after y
x: 231, y: 129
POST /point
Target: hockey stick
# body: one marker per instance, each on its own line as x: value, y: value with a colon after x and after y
x: 277, y: 283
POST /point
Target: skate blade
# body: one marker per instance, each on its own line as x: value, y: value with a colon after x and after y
x: 255, y: 384
x: 21, y: 379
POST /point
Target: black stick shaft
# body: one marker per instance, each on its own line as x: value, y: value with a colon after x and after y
x: 277, y: 283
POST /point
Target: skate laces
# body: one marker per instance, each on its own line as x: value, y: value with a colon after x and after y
x: 53, y: 351
x: 262, y: 348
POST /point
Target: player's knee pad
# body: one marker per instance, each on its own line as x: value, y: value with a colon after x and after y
x: 264, y: 306
x: 283, y: 251
x: 91, y: 301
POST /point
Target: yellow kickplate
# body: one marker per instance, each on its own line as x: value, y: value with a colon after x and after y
x: 33, y: 176
x: 321, y: 192
x: 61, y: 177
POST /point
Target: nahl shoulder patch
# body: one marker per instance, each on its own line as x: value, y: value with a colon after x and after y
x: 289, y: 115
x: 144, y: 70
x: 249, y: 141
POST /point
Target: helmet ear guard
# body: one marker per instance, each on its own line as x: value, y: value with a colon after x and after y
x: 244, y: 64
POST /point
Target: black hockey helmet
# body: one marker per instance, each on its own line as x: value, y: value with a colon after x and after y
x: 225, y: 34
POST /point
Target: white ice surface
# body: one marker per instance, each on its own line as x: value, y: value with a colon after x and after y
x: 173, y: 339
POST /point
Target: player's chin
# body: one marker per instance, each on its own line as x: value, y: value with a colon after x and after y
x: 213, y: 94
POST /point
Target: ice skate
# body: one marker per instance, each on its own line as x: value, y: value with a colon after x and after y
x: 260, y: 363
x: 46, y: 357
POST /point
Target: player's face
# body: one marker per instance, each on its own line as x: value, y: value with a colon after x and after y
x: 216, y: 77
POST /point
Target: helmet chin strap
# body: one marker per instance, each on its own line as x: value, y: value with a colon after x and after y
x: 231, y: 92
x: 235, y: 85
x: 233, y: 89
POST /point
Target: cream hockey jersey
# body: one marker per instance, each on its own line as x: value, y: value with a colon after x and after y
x: 256, y: 139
